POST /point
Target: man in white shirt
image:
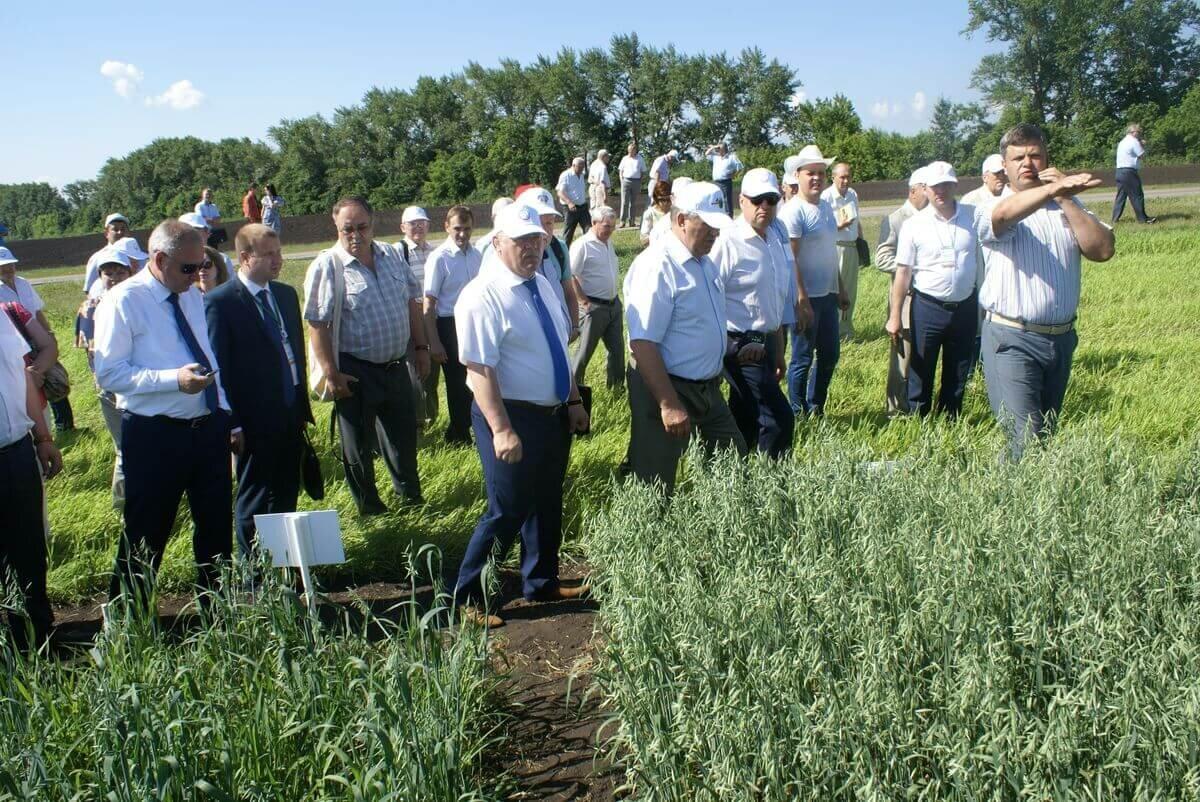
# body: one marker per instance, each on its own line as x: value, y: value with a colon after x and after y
x: 936, y: 266
x: 812, y: 227
x: 725, y: 165
x: 844, y: 201
x: 660, y: 170
x: 572, y: 193
x: 675, y: 311
x: 790, y: 185
x: 116, y: 227
x: 1130, y: 151
x: 513, y: 339
x: 994, y: 181
x: 415, y: 248
x: 212, y: 218
x: 598, y: 181
x: 1034, y: 239
x: 755, y: 274
x: 453, y: 266
x: 25, y: 459
x: 630, y: 170
x: 153, y: 352
x: 595, y: 273
x: 556, y: 259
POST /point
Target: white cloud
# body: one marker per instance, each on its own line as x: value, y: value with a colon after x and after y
x: 181, y: 95
x: 880, y: 109
x: 798, y: 98
x: 918, y: 103
x: 125, y: 77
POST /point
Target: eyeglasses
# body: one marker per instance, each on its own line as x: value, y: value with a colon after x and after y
x: 361, y: 228
x: 188, y: 268
x: 770, y: 200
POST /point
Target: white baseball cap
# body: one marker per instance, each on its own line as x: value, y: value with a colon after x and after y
x: 939, y: 173
x: 194, y: 220
x: 680, y: 183
x: 129, y: 246
x: 790, y: 165
x: 412, y: 214
x: 500, y: 203
x: 113, y: 254
x: 519, y: 220
x: 917, y: 179
x: 674, y: 154
x: 993, y: 164
x: 706, y: 200
x: 112, y: 218
x: 810, y: 154
x: 7, y: 258
x: 540, y: 199
x: 759, y: 181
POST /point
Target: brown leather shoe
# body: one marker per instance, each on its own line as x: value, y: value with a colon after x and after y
x: 561, y: 593
x: 477, y: 615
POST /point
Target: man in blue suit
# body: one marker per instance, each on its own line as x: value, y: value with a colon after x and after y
x: 254, y: 325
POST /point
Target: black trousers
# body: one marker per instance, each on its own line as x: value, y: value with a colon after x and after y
x: 381, y: 403
x: 762, y: 412
x: 164, y: 459
x: 458, y: 395
x: 268, y: 476
x: 1129, y: 185
x: 579, y: 216
x: 726, y: 185
x: 949, y: 333
x: 64, y: 416
x: 23, y: 540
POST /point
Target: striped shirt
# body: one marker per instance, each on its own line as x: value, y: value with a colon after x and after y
x: 1033, y: 269
x: 374, y: 325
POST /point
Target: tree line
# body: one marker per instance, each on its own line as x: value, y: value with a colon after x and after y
x: 1081, y: 68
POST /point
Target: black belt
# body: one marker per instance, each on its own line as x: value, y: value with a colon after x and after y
x: 395, y: 363
x: 190, y: 423
x: 601, y: 301
x: 949, y: 306
x: 700, y: 382
x: 540, y: 408
x: 13, y: 446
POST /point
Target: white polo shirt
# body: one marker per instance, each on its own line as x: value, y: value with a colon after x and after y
x: 572, y: 186
x: 14, y: 422
x: 631, y: 166
x: 676, y: 301
x: 816, y: 228
x: 498, y: 326
x: 1129, y: 152
x: 594, y: 264
x: 837, y: 201
x: 941, y: 252
x: 448, y: 270
x: 750, y: 273
x: 23, y: 293
x: 598, y: 173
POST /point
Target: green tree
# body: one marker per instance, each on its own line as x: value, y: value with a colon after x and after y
x: 32, y: 210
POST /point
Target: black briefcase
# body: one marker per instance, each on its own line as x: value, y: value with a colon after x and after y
x: 864, y: 252
x: 310, y: 470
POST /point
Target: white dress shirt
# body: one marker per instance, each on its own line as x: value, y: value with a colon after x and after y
x: 749, y: 270
x: 661, y: 169
x: 14, y: 422
x: 631, y: 166
x: 598, y: 173
x: 254, y: 290
x: 1129, y: 152
x: 594, y: 264
x: 816, y: 228
x: 450, y: 268
x: 573, y: 186
x: 139, y: 349
x: 941, y: 252
x: 724, y: 167
x: 676, y: 301
x: 208, y: 211
x: 498, y: 326
x: 1033, y: 269
x: 23, y: 293
x: 837, y: 201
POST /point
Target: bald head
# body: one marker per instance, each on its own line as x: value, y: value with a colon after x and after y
x: 841, y: 177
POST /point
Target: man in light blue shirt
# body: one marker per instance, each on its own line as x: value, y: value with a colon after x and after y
x: 725, y: 165
x: 1130, y: 151
x: 573, y: 194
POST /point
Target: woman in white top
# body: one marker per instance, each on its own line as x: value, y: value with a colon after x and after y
x: 657, y: 210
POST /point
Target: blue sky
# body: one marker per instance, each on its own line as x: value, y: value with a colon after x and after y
x: 166, y: 73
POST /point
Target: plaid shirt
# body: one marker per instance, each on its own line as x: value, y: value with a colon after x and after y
x: 375, y: 323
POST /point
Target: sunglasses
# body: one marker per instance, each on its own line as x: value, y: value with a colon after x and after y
x: 770, y: 200
x: 189, y: 268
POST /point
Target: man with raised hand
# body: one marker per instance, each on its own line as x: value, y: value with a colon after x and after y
x: 573, y: 195
x: 153, y: 352
x: 630, y: 170
x: 1034, y: 238
x: 751, y: 266
x: 844, y: 201
x: 367, y: 373
x: 994, y: 181
x: 660, y: 170
x: 513, y: 339
x: 900, y: 346
x: 725, y: 165
x: 116, y: 227
x: 1130, y: 151
x: 812, y: 228
x: 675, y: 311
x: 936, y: 267
x: 595, y: 272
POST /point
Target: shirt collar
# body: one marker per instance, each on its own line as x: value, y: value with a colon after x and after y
x: 253, y: 288
x: 677, y: 250
x: 745, y: 231
x: 347, y: 258
x: 157, y: 289
x: 496, y: 272
x: 415, y: 247
x: 451, y: 248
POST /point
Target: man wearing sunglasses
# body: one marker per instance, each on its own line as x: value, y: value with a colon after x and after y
x: 152, y: 351
x: 754, y: 270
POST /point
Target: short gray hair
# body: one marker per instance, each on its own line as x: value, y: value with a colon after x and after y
x: 172, y: 236
x: 602, y: 153
x: 602, y: 213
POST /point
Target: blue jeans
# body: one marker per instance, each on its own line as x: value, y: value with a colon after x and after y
x: 808, y: 385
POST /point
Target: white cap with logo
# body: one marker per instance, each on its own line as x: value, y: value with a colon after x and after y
x: 993, y: 164
x: 113, y: 218
x: 519, y: 220
x: 540, y: 199
x: 413, y: 214
x: 759, y: 181
x: 939, y: 173
x: 705, y: 200
x: 111, y: 255
x: 7, y: 258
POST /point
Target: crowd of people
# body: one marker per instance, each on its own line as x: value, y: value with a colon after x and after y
x: 196, y: 358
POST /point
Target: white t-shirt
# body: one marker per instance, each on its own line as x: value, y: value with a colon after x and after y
x: 14, y: 422
x: 631, y: 166
x: 24, y: 294
x: 598, y: 173
x: 814, y: 225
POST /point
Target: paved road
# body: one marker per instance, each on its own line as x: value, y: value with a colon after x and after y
x: 881, y: 210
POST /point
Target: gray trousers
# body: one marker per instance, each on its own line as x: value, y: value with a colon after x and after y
x: 602, y: 322
x: 112, y: 422
x: 630, y: 187
x: 1026, y: 376
x: 654, y: 454
x: 848, y: 272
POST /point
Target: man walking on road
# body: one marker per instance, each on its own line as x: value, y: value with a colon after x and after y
x: 1129, y: 182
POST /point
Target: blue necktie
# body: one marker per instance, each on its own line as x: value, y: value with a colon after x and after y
x: 210, y: 392
x: 275, y: 327
x: 562, y: 373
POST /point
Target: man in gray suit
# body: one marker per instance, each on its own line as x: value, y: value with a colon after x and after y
x: 899, y: 351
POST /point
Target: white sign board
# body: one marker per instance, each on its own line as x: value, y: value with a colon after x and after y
x: 317, y: 540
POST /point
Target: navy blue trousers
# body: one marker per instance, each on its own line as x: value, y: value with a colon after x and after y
x: 763, y: 414
x: 523, y: 498
x: 808, y: 383
x: 950, y: 334
x: 268, y: 476
x: 23, y: 541
x: 163, y: 460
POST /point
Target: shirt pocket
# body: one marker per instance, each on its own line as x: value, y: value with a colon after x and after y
x: 356, y: 291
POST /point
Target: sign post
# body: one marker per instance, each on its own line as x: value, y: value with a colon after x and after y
x: 302, y: 540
